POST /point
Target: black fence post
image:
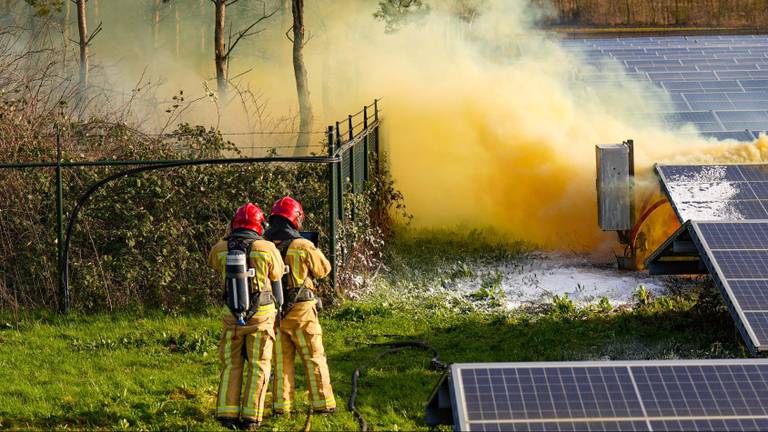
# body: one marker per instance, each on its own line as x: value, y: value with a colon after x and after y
x: 340, y: 176
x: 352, y: 173
x: 332, y: 209
x: 352, y: 176
x: 63, y: 288
x: 376, y: 135
x: 366, y: 175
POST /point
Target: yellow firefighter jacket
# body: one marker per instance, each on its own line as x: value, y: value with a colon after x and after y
x: 306, y: 262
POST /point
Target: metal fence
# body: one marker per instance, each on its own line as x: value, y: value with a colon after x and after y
x: 352, y: 158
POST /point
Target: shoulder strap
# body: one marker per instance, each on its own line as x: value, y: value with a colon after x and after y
x: 284, y: 246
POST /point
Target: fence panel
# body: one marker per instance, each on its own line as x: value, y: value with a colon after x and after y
x: 351, y: 145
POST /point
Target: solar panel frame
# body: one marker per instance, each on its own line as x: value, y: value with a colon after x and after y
x: 721, y: 378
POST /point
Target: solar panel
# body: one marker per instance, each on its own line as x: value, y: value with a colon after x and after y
x: 706, y: 97
x: 713, y: 74
x: 735, y: 126
x: 724, y: 209
x: 604, y: 396
x: 735, y: 254
x: 753, y: 105
x: 711, y: 105
x: 716, y: 192
x: 738, y: 136
x: 741, y: 116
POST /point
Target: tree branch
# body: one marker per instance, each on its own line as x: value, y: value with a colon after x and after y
x: 93, y: 35
x: 247, y: 31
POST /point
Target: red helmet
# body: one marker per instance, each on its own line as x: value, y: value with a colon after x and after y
x: 290, y: 209
x: 249, y: 216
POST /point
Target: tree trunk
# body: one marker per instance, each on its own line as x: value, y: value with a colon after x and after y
x: 67, y: 15
x: 300, y: 71
x: 177, y: 18
x: 202, y: 28
x: 220, y: 48
x: 156, y: 28
x: 82, y: 28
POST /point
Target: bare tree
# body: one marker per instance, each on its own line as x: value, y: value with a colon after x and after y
x: 223, y: 48
x: 84, y: 40
x: 177, y: 20
x: 202, y: 28
x: 156, y: 27
x: 300, y: 71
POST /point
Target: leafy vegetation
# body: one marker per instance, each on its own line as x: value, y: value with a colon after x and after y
x: 160, y: 223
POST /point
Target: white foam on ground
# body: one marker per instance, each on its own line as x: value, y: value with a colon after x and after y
x: 539, y: 277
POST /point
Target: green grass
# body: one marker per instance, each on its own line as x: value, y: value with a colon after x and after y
x: 158, y: 371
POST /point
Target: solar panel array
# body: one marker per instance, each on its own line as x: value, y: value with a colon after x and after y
x: 726, y: 208
x: 717, y: 83
x: 705, y: 395
x: 717, y: 192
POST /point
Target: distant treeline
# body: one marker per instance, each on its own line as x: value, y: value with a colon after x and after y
x: 692, y: 13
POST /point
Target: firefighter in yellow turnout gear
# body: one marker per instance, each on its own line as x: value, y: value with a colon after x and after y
x: 248, y: 346
x: 299, y: 331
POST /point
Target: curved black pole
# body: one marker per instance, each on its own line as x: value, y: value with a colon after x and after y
x: 96, y: 186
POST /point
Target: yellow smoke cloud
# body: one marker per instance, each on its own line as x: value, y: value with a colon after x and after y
x: 485, y: 123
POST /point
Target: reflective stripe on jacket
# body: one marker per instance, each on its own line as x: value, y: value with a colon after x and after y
x: 307, y: 262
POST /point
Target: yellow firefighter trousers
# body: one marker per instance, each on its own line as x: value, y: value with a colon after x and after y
x: 300, y: 333
x: 251, y: 346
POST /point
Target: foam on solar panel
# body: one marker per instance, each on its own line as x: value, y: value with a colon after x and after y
x: 712, y: 192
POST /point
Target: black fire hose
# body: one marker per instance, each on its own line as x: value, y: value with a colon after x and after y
x: 394, y: 347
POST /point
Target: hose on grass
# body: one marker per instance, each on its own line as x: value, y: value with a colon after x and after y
x: 308, y: 423
x: 394, y: 347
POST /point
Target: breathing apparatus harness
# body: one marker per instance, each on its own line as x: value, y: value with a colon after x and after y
x: 237, y: 291
x: 280, y: 229
x: 293, y: 295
